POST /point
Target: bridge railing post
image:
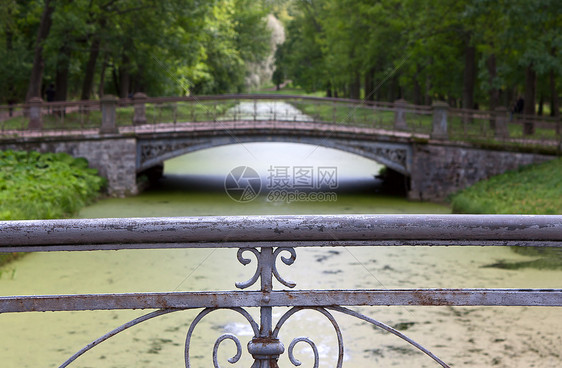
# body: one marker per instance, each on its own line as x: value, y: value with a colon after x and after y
x: 500, y: 123
x: 35, y: 114
x: 108, y: 103
x: 400, y: 114
x: 139, y: 117
x: 439, y: 125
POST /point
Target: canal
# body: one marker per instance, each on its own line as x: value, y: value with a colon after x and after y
x: 194, y: 185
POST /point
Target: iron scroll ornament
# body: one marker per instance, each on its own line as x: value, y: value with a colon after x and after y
x: 253, y: 324
x: 264, y: 259
x: 265, y: 347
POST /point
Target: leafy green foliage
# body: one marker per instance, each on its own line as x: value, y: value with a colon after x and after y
x: 167, y: 47
x: 416, y: 49
x: 44, y: 186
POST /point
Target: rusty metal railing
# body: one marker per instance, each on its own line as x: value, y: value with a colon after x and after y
x: 268, y: 238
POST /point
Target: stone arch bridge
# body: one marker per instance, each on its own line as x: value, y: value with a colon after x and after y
x: 435, y: 165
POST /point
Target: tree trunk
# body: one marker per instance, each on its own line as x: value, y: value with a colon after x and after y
x: 124, y: 77
x: 541, y: 105
x: 394, y: 90
x: 554, y: 103
x: 102, y: 77
x: 90, y: 71
x: 530, y: 90
x: 427, y: 97
x: 493, y: 92
x: 61, y: 76
x: 355, y: 88
x: 510, y: 96
x: 329, y: 89
x: 34, y: 89
x: 370, y: 85
x: 469, y: 77
x: 10, y: 82
x: 115, y: 79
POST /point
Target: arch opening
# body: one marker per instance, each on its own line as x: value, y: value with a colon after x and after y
x: 280, y: 165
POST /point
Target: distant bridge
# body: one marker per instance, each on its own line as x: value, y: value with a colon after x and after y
x: 438, y: 148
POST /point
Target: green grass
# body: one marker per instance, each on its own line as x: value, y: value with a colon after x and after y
x: 534, y: 189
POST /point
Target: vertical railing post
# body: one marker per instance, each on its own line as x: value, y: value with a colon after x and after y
x: 215, y: 111
x: 35, y: 114
x: 439, y: 126
x: 500, y: 123
x: 264, y: 348
x: 108, y: 103
x: 400, y: 114
x: 139, y: 117
x: 255, y: 109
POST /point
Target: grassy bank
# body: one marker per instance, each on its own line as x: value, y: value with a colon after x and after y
x: 534, y: 189
x: 44, y: 186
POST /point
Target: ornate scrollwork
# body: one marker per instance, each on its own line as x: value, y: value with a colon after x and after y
x: 246, y: 261
x: 265, y: 347
x: 232, y: 360
x: 309, y: 342
x: 200, y: 316
x: 391, y: 330
x: 287, y: 261
x: 266, y: 264
x: 332, y: 320
x: 114, y: 332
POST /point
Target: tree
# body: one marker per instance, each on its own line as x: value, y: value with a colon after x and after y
x: 34, y: 89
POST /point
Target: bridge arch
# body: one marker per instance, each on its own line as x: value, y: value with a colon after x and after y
x: 152, y: 152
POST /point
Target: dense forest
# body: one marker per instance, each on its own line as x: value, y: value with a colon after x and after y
x: 470, y: 53
x: 86, y: 48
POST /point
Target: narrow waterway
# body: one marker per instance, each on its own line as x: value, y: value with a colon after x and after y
x: 194, y: 185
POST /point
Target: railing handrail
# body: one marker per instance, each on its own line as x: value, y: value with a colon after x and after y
x: 270, y: 231
x: 258, y: 235
x: 251, y: 96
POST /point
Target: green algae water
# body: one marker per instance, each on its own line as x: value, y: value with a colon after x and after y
x: 194, y: 185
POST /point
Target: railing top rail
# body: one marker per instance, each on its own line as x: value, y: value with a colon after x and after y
x: 272, y: 231
x: 205, y: 98
x: 258, y: 235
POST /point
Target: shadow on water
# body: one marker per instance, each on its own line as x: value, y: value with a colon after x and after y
x: 193, y: 183
x: 547, y: 259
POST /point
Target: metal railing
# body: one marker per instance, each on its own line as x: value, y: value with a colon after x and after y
x: 148, y: 114
x: 268, y: 238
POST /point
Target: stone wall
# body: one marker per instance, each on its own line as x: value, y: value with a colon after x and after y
x: 437, y: 169
x: 441, y: 170
x: 115, y: 158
